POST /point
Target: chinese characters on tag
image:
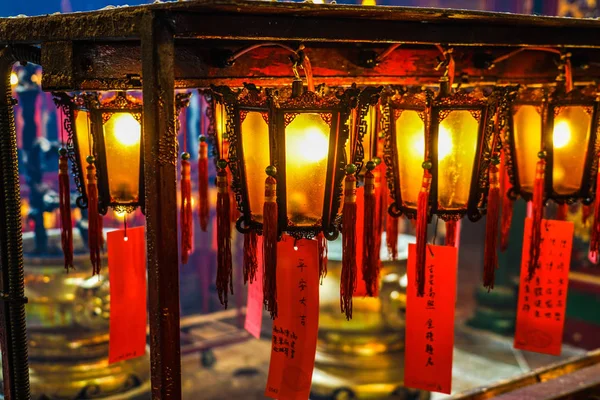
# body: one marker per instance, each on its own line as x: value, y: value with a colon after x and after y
x: 430, y: 321
x: 294, y: 340
x: 542, y: 300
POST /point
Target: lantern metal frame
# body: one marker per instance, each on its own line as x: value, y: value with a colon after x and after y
x: 483, y: 107
x: 548, y: 103
x: 396, y: 100
x: 368, y: 98
x: 279, y: 108
x: 99, y: 112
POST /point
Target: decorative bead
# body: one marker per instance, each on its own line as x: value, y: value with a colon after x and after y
x: 62, y: 152
x: 202, y: 138
x: 271, y: 170
x: 377, y: 160
x: 371, y: 165
x: 185, y: 155
x: 90, y: 159
x: 350, y: 169
x: 542, y: 154
x: 427, y: 165
x: 222, y: 163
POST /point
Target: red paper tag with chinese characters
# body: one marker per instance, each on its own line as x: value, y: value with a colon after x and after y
x: 543, y: 299
x: 430, y: 321
x: 127, y: 274
x: 294, y: 341
x: 254, y: 306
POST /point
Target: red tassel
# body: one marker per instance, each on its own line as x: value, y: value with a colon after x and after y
x: 507, y: 207
x: 537, y: 215
x: 64, y: 196
x: 421, y: 232
x: 101, y: 231
x: 224, y: 265
x: 561, y: 213
x: 586, y: 212
x: 348, y: 278
x: 380, y: 200
x: 451, y: 230
x: 490, y: 258
x: 270, y: 236
x: 370, y: 265
x: 185, y: 214
x: 250, y: 261
x: 595, y: 234
x: 203, y: 208
x: 322, y: 248
x: 391, y: 236
x: 94, y: 228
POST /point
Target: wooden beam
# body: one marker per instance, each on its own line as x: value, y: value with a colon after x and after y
x: 160, y: 166
x: 117, y: 66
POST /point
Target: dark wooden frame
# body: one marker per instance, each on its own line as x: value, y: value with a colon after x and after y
x: 172, y: 45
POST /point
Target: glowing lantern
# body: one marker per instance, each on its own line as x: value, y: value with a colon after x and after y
x: 563, y: 128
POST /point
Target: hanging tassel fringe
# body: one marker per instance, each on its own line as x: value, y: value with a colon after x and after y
x: 322, y: 248
x: 507, y: 208
x: 451, y: 231
x: 348, y: 277
x: 490, y: 258
x: 537, y: 215
x: 94, y: 228
x: 270, y: 236
x: 370, y: 265
x: 562, y: 212
x: 595, y: 234
x: 391, y: 236
x: 203, y: 208
x: 224, y: 265
x: 64, y: 193
x: 185, y: 213
x: 250, y: 261
x: 421, y: 232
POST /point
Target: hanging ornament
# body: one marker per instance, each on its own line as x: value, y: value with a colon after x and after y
x: 490, y: 257
x: 224, y: 265
x: 348, y: 277
x: 64, y: 193
x: 185, y: 215
x: 370, y: 256
x: 270, y: 237
x: 203, y: 200
x: 421, y: 230
x: 507, y: 203
x: 537, y: 214
x: 250, y: 260
x: 94, y: 228
x: 451, y: 232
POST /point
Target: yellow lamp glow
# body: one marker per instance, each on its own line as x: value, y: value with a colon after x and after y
x: 128, y: 130
x: 561, y: 135
x: 14, y: 79
x: 306, y: 150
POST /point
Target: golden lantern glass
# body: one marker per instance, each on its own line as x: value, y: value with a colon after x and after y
x: 301, y: 133
x: 564, y: 126
x: 454, y: 134
x: 110, y: 131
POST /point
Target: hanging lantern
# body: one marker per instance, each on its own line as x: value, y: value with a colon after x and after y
x: 563, y: 126
x: 300, y: 136
x: 108, y: 132
x: 450, y: 141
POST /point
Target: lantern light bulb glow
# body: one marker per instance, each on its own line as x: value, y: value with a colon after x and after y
x: 128, y: 130
x: 14, y: 79
x: 561, y: 135
x: 312, y: 146
x: 444, y: 143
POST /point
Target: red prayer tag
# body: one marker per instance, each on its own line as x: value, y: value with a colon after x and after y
x: 254, y: 306
x: 430, y: 321
x: 543, y: 299
x: 127, y: 274
x: 294, y: 341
